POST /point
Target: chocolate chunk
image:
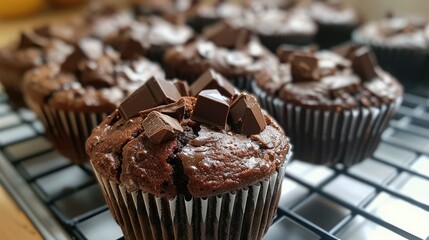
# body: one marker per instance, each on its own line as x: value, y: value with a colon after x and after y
x: 211, y: 108
x: 43, y: 31
x: 212, y: 80
x: 226, y: 35
x: 206, y: 49
x: 182, y: 87
x: 304, y: 68
x: 160, y: 128
x: 86, y: 49
x: 175, y: 110
x: 345, y: 50
x: 153, y: 93
x: 132, y: 48
x: 238, y: 59
x: 364, y: 64
x: 30, y: 39
x: 98, y: 74
x: 286, y: 51
x: 246, y: 116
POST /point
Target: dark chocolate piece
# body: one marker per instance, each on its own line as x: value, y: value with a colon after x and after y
x: 211, y: 108
x: 30, y: 39
x: 98, y: 74
x: 246, y: 116
x: 133, y: 48
x: 153, y: 93
x: 182, y: 87
x: 286, y: 51
x: 364, y: 64
x: 160, y: 128
x: 87, y: 48
x: 225, y: 35
x: 212, y: 80
x: 304, y: 68
x: 345, y: 50
x: 175, y: 110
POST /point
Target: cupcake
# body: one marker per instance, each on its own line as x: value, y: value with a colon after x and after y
x: 202, y: 14
x: 401, y: 46
x: 150, y: 37
x: 334, y: 106
x: 30, y: 51
x: 335, y: 21
x: 275, y: 27
x: 229, y: 49
x: 174, y: 167
x: 73, y: 97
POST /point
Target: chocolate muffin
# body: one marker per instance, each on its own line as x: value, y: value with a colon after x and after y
x: 401, y: 45
x: 29, y: 51
x: 73, y: 97
x: 150, y: 37
x: 275, y: 27
x: 185, y: 167
x: 202, y: 14
x: 335, y: 20
x: 334, y: 106
x: 227, y: 48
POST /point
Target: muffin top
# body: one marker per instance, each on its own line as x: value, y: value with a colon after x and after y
x: 396, y: 32
x: 167, y: 144
x: 231, y: 50
x: 273, y: 21
x: 91, y: 79
x: 145, y: 33
x: 333, y: 12
x: 343, y: 79
x: 32, y: 50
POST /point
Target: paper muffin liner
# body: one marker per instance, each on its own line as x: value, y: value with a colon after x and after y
x: 243, y: 83
x: 326, y: 137
x: 68, y: 130
x: 272, y: 42
x: 11, y: 79
x: 243, y: 214
x: 156, y: 54
x: 409, y: 66
x: 330, y: 35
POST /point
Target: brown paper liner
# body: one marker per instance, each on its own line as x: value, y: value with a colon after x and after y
x: 328, y: 137
x: 68, y: 130
x: 243, y: 214
x: 11, y: 79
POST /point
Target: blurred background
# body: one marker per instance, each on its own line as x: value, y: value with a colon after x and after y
x: 22, y: 14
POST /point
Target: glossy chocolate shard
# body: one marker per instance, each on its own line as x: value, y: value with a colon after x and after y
x: 175, y: 110
x: 246, y: 116
x: 345, y: 50
x: 364, y: 64
x: 182, y: 87
x: 305, y: 68
x: 153, y: 93
x: 86, y: 49
x: 160, y: 128
x: 285, y: 52
x: 30, y: 39
x: 211, y: 108
x: 226, y: 35
x: 212, y: 80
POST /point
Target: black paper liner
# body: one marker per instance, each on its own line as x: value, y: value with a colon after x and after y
x: 326, y: 137
x: 67, y: 130
x: 330, y: 35
x: 243, y: 214
x: 11, y: 79
x: 409, y: 66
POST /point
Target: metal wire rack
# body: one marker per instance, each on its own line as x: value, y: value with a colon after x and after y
x: 385, y: 197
